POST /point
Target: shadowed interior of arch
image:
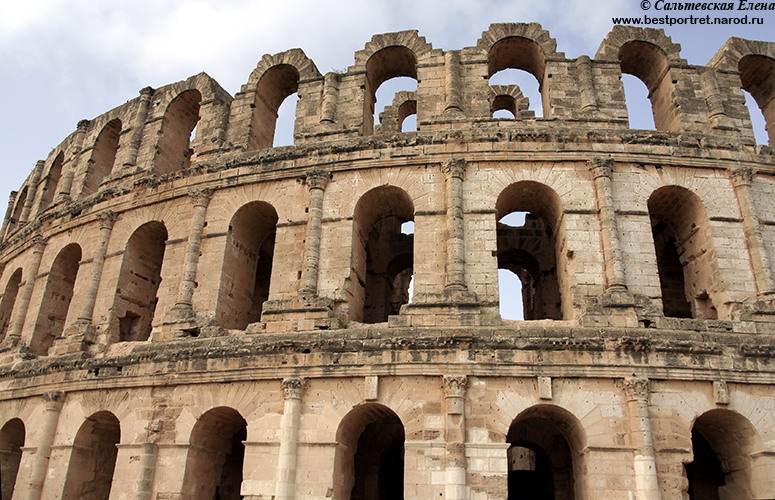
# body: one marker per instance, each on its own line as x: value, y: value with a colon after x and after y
x: 247, y: 265
x: 12, y: 437
x: 139, y: 279
x: 684, y: 251
x: 369, y: 462
x: 8, y: 301
x: 383, y: 254
x: 724, y: 459
x: 216, y: 456
x: 93, y: 459
x: 540, y: 456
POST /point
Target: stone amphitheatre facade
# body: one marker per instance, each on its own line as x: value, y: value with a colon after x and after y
x: 207, y: 316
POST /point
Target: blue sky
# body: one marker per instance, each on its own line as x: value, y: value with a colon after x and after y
x: 65, y: 60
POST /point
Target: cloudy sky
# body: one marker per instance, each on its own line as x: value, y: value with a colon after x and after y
x: 65, y: 60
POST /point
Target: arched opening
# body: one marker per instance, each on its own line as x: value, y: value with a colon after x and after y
x: 530, y: 250
x: 504, y: 106
x: 216, y: 454
x: 369, y: 460
x: 8, y: 301
x: 138, y: 283
x: 386, y: 96
x: 103, y: 157
x: 757, y: 75
x: 649, y: 64
x: 721, y: 469
x: 274, y: 98
x: 383, y: 255
x: 685, y: 256
x: 56, y: 299
x: 286, y: 120
x: 543, y: 456
x: 12, y: 437
x: 247, y: 265
x: 93, y: 458
x: 519, y: 61
x: 51, y: 182
x: 407, y: 116
x: 385, y: 64
x: 173, y: 152
x: 636, y: 98
x: 18, y: 208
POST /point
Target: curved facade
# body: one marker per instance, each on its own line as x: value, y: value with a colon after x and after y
x: 190, y: 313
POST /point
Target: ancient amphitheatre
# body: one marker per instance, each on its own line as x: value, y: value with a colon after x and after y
x: 202, y: 315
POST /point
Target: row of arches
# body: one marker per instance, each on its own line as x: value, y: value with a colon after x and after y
x: 382, y: 263
x: 545, y: 456
x: 252, y: 118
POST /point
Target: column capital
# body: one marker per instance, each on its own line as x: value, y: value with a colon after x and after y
x: 317, y: 179
x: 107, y: 219
x: 455, y: 385
x: 742, y: 176
x: 455, y: 167
x: 39, y: 244
x: 146, y: 92
x: 201, y: 196
x: 293, y: 388
x: 601, y: 167
x: 636, y: 388
x: 54, y: 398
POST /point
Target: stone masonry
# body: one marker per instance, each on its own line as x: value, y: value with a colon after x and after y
x: 188, y: 312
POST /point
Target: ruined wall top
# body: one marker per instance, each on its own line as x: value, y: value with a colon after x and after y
x: 195, y: 123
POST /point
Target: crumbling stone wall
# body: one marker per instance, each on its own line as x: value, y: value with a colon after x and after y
x: 188, y: 312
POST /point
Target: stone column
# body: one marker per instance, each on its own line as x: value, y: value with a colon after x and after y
x: 285, y: 484
x: 8, y: 213
x: 316, y: 181
x: 456, y: 263
x: 32, y: 190
x: 453, y: 85
x: 709, y: 83
x: 612, y: 253
x: 147, y: 467
x: 66, y: 184
x: 188, y: 284
x: 54, y: 401
x: 586, y: 84
x: 106, y: 219
x: 23, y: 303
x: 646, y: 483
x: 330, y: 97
x: 138, y: 126
x: 454, y: 395
x: 742, y: 178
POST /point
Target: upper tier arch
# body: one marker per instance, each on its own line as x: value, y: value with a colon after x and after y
x: 254, y: 113
x: 620, y: 35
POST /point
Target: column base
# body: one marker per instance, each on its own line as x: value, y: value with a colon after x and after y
x: 77, y: 338
x: 452, y: 307
x: 618, y: 307
x: 304, y: 312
